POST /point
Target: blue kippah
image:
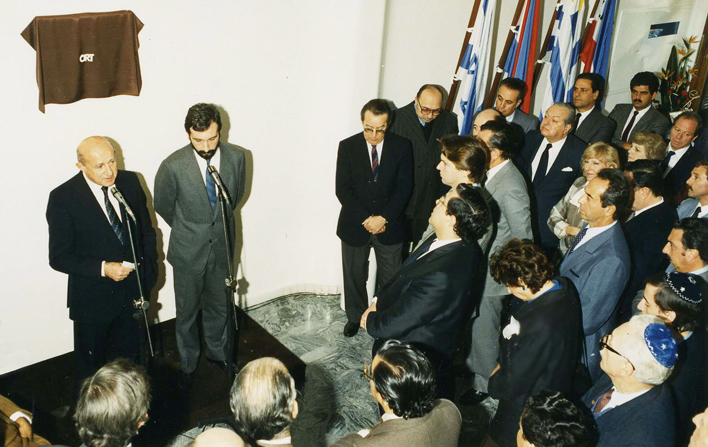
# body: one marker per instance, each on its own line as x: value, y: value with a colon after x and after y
x: 686, y: 286
x: 661, y: 344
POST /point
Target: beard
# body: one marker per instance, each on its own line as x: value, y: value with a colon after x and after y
x: 206, y: 155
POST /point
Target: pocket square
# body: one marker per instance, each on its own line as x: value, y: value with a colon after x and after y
x: 567, y: 169
x: 513, y: 328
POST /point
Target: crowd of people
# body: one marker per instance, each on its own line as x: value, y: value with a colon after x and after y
x: 574, y: 250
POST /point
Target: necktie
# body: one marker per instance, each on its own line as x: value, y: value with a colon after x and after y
x: 666, y: 160
x: 374, y: 162
x: 211, y: 187
x: 603, y: 401
x: 697, y: 212
x: 542, y: 166
x: 112, y: 216
x: 577, y: 121
x: 625, y: 134
x: 577, y: 240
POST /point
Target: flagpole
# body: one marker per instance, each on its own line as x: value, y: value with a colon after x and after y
x: 507, y: 46
x: 468, y: 33
x: 544, y: 47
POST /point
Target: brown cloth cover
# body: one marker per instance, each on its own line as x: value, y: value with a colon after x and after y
x: 66, y: 71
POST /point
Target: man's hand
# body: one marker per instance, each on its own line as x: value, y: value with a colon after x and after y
x: 496, y: 368
x: 116, y: 271
x: 25, y: 428
x: 362, y: 322
x: 572, y: 231
x: 375, y: 224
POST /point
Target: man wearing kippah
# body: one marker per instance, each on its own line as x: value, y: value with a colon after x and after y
x: 630, y: 402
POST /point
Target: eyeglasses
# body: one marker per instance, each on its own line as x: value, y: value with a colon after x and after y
x: 369, y: 130
x: 604, y: 345
x: 368, y: 373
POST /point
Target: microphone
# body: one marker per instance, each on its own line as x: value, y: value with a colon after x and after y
x: 119, y: 197
x: 217, y: 179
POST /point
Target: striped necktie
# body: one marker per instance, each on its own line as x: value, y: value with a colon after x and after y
x: 211, y: 187
x: 374, y: 162
x: 112, y: 216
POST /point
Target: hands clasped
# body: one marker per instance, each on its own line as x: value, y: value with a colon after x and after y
x: 375, y: 224
x: 116, y: 271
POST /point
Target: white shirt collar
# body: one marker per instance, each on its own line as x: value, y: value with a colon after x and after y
x: 214, y: 161
x: 618, y: 398
x: 389, y: 417
x: 379, y: 151
x: 700, y: 271
x: 437, y: 244
x: 510, y: 118
x: 584, y: 115
x: 552, y: 154
x: 280, y: 441
x: 594, y: 231
x: 493, y: 171
x: 637, y: 213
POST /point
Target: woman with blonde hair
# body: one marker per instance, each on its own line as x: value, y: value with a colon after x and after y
x: 646, y: 146
x: 565, y: 221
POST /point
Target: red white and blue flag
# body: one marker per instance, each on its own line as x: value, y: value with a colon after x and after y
x: 522, y: 53
x: 595, y: 52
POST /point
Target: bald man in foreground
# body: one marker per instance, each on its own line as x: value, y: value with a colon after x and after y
x: 88, y: 240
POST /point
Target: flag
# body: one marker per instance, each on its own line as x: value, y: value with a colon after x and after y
x: 522, y: 53
x: 562, y: 53
x: 595, y: 51
x: 474, y: 68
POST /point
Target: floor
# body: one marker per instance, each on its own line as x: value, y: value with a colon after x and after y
x: 336, y: 400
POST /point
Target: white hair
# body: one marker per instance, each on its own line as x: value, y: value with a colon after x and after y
x: 646, y: 368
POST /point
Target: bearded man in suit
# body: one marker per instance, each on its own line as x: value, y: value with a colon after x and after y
x: 88, y: 240
x: 186, y: 197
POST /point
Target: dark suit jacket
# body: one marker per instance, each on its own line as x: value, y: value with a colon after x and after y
x: 675, y: 180
x: 687, y: 381
x: 646, y: 236
x: 426, y: 156
x: 599, y: 269
x: 426, y: 302
x: 80, y: 238
x: 652, y: 121
x: 182, y: 200
x: 645, y: 421
x: 543, y: 354
x: 527, y: 122
x: 565, y: 169
x: 596, y: 127
x: 439, y: 428
x: 362, y: 197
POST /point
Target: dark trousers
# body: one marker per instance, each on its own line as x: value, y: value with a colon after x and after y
x: 190, y: 289
x: 355, y: 264
x: 99, y: 342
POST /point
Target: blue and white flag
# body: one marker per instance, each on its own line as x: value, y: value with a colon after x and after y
x: 474, y: 69
x: 562, y: 53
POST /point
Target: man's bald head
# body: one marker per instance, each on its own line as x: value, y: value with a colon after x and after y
x: 218, y: 437
x: 97, y: 160
x: 483, y: 117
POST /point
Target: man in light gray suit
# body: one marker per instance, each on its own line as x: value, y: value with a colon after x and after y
x: 402, y: 382
x: 511, y: 216
x: 591, y: 125
x: 598, y: 261
x: 186, y: 197
x: 696, y: 205
x: 640, y: 116
x: 424, y: 121
x: 510, y: 95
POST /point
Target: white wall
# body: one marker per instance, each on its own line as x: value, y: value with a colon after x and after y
x: 291, y: 77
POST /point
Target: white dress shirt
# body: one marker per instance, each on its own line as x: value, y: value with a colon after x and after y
x: 593, y: 232
x: 379, y: 151
x: 552, y: 155
x: 493, y: 171
x: 584, y: 115
x: 675, y: 159
x: 215, y: 161
x: 636, y: 120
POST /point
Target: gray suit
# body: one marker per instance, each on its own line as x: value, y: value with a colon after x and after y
x: 197, y: 248
x: 652, y: 121
x: 511, y: 215
x: 527, y: 122
x: 439, y: 428
x: 687, y: 208
x: 599, y: 269
x: 596, y: 127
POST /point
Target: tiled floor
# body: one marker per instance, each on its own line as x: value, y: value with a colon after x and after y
x: 336, y: 400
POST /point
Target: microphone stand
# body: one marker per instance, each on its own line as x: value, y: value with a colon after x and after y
x: 230, y: 283
x: 141, y: 303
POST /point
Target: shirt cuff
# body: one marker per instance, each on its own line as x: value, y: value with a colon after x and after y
x: 18, y: 414
x: 103, y: 269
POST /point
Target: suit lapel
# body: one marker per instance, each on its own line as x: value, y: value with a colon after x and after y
x: 94, y: 210
x: 195, y: 185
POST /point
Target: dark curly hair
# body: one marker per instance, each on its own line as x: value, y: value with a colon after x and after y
x: 519, y: 261
x: 405, y: 378
x: 550, y: 420
x: 200, y: 116
x: 471, y: 212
